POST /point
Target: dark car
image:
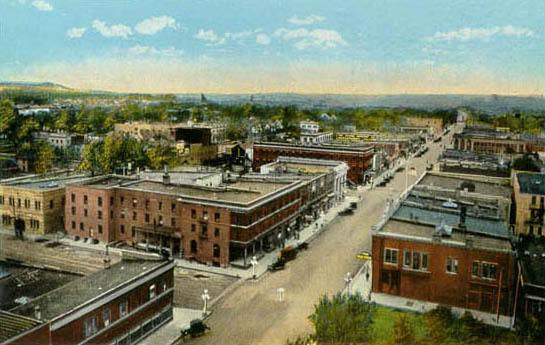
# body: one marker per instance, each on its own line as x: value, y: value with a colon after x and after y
x: 353, y: 205
x: 346, y: 212
x: 277, y: 265
x: 302, y: 246
x: 196, y: 328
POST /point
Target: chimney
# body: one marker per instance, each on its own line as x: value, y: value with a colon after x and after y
x: 37, y: 313
x: 166, y: 176
x: 463, y: 213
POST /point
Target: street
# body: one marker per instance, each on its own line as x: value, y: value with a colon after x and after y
x: 251, y: 314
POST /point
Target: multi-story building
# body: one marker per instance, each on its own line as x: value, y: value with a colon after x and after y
x: 60, y: 139
x: 309, y: 127
x: 358, y: 159
x: 447, y: 248
x: 190, y: 133
x: 473, y: 163
x: 211, y: 224
x: 39, y: 203
x: 435, y: 123
x: 120, y: 304
x: 529, y: 194
x: 316, y: 137
x: 491, y: 140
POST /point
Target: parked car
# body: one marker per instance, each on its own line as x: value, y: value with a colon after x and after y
x: 277, y: 265
x: 287, y: 254
x: 196, y: 328
x: 346, y: 212
x: 353, y: 205
x: 364, y: 256
x: 302, y: 246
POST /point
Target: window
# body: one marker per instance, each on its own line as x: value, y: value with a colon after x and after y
x: 133, y: 231
x: 533, y: 200
x: 173, y: 206
x: 488, y: 270
x: 134, y: 202
x: 216, y: 251
x: 51, y: 203
x: 475, y: 269
x: 85, y: 199
x: 452, y: 265
x: 173, y: 222
x: 216, y: 217
x: 216, y: 232
x: 134, y: 216
x: 390, y: 256
x: 122, y: 228
x: 85, y: 212
x: 147, y: 217
x: 415, y: 261
x: 406, y: 259
x: 73, y: 197
x: 204, y: 230
x: 99, y: 214
x: 193, y: 214
x: 193, y: 227
x: 123, y: 308
x: 73, y: 210
x: 90, y: 327
x: 37, y: 205
x: 106, y: 316
x: 122, y: 215
x: 160, y: 205
x: 205, y: 215
x: 121, y: 200
x: 147, y: 203
x: 151, y: 291
x: 100, y: 229
x: 1, y: 200
x: 81, y: 227
x: 73, y: 225
x: 99, y: 201
x: 111, y: 201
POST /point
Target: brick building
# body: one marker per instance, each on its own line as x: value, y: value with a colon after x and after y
x: 358, y: 159
x: 38, y: 202
x: 215, y: 225
x: 490, y: 140
x: 120, y: 304
x: 529, y: 193
x: 446, y: 248
x: 435, y: 123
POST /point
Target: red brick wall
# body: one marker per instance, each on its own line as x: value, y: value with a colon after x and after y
x: 438, y: 286
x: 73, y: 332
x: 90, y: 222
x: 358, y: 162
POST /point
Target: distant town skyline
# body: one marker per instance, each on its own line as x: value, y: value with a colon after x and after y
x: 349, y: 47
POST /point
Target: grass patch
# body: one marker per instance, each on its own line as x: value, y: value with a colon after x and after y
x: 384, y: 319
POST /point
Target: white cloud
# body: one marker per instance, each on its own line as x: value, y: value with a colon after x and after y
x: 212, y: 38
x: 307, y: 20
x: 153, y: 25
x: 76, y: 32
x: 147, y: 50
x: 318, y: 38
x: 42, y: 5
x: 468, y: 34
x: 116, y: 30
x: 263, y: 39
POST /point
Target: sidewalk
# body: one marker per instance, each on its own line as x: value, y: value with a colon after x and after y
x: 306, y: 235
x: 170, y: 332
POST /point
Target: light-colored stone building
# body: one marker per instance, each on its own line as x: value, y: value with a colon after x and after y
x: 529, y: 192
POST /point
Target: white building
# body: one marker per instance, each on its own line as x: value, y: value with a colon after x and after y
x: 60, y: 139
x: 309, y: 127
x: 316, y: 138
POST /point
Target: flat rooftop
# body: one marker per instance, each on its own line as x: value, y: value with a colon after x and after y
x: 81, y: 291
x: 426, y: 214
x: 325, y: 146
x: 419, y: 231
x: 46, y: 184
x: 107, y: 181
x: 244, y: 191
x: 531, y: 183
x: 453, y: 183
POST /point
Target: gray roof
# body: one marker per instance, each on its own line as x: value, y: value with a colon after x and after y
x: 531, y: 254
x: 449, y: 182
x: 80, y: 291
x: 481, y: 225
x: 531, y: 183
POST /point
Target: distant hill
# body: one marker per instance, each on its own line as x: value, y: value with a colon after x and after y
x: 43, y: 86
x: 486, y: 103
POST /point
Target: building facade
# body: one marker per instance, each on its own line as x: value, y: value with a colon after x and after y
x: 358, y: 159
x: 529, y: 194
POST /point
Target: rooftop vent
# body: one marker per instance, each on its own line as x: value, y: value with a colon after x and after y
x: 450, y: 204
x: 443, y: 229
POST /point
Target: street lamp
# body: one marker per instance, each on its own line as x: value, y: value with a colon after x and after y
x: 253, y: 262
x: 205, y: 297
x: 348, y: 280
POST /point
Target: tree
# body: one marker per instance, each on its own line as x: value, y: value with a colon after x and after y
x: 27, y: 127
x: 160, y: 155
x: 343, y: 319
x: 64, y: 121
x: 8, y: 119
x: 44, y: 158
x: 91, y: 158
x: 403, y: 331
x: 438, y: 322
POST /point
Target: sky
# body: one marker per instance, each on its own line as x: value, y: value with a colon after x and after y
x: 252, y: 46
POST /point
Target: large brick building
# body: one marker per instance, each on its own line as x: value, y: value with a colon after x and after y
x: 489, y: 140
x: 358, y: 159
x: 118, y: 305
x: 447, y: 246
x: 529, y: 193
x: 39, y: 203
x: 211, y: 224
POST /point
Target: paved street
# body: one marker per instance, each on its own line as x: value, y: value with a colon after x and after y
x: 251, y: 314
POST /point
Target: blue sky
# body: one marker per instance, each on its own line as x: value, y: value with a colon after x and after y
x: 353, y: 46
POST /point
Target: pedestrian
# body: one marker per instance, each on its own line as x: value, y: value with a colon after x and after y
x: 367, y: 276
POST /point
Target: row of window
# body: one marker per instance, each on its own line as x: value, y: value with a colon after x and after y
x: 26, y: 203
x: 91, y: 325
x: 415, y: 260
x: 205, y: 215
x: 121, y: 201
x: 7, y: 220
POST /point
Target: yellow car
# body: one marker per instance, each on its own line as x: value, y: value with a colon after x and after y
x: 364, y: 256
